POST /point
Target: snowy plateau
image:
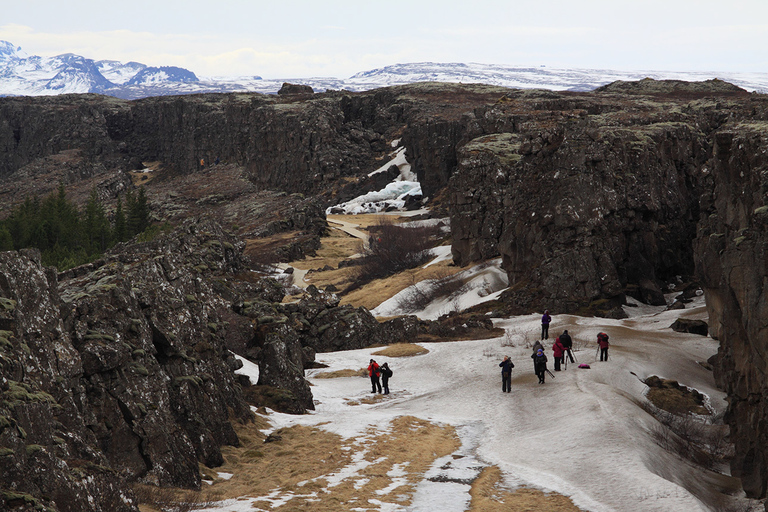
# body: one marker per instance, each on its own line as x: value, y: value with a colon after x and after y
x: 24, y: 75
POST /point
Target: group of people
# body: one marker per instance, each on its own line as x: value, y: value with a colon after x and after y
x: 375, y: 372
x: 561, y: 348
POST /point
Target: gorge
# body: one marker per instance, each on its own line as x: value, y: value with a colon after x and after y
x: 121, y: 370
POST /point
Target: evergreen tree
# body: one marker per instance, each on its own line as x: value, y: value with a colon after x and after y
x: 120, y: 233
x: 97, y: 229
x: 137, y: 219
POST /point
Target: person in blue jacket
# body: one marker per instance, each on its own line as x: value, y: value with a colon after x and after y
x: 506, y: 374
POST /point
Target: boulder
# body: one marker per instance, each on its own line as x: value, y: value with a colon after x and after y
x: 692, y: 326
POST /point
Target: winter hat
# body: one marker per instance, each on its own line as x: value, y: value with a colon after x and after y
x: 540, y: 351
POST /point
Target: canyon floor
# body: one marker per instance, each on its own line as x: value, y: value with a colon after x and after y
x: 448, y: 439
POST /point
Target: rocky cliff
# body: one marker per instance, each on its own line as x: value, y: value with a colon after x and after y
x: 731, y: 261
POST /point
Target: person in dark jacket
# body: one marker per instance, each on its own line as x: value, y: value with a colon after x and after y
x: 506, y: 374
x: 386, y: 373
x: 540, y: 365
x: 567, y: 342
x: 545, y: 320
x: 374, y: 372
x: 537, y: 346
x: 558, y: 351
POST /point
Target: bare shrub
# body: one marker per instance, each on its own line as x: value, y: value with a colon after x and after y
x: 393, y: 248
x: 512, y: 337
x: 691, y: 437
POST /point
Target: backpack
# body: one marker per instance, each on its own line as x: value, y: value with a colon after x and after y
x: 602, y: 337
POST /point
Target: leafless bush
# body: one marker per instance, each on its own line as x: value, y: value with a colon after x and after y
x: 512, y: 337
x: 691, y: 437
x: 393, y: 248
x: 417, y: 297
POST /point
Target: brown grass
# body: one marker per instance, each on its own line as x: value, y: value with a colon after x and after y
x: 298, y: 462
x: 338, y: 246
x: 362, y: 372
x: 402, y: 350
x: 489, y: 496
x: 668, y: 395
x: 306, y: 455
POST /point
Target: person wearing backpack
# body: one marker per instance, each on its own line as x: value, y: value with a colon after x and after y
x: 602, y: 341
x: 374, y: 372
x: 386, y: 373
x: 506, y: 374
x: 545, y: 320
x: 558, y: 351
x: 540, y: 365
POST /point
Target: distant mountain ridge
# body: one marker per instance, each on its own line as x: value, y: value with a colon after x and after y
x: 23, y: 75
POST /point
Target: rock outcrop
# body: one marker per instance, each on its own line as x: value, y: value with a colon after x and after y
x: 116, y: 371
x: 731, y: 261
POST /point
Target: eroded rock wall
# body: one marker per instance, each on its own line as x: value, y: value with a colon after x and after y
x: 731, y: 255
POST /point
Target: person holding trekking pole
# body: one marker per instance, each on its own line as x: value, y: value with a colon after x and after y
x: 602, y: 345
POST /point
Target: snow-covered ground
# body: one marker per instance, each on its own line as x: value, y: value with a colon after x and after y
x: 582, y: 434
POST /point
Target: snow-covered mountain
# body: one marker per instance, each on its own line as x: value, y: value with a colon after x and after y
x: 23, y: 75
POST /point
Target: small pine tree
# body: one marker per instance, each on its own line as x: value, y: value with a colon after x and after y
x: 120, y: 233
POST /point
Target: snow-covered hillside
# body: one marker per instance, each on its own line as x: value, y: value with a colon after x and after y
x: 24, y: 75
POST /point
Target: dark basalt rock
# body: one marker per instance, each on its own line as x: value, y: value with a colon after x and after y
x: 692, y: 326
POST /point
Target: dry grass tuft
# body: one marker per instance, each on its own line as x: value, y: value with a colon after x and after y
x: 402, y: 350
x: 362, y: 372
x: 489, y: 496
x: 299, y: 463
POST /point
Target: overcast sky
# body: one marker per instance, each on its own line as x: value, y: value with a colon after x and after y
x: 337, y: 38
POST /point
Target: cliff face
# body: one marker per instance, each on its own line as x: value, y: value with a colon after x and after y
x: 114, y: 373
x: 731, y: 260
x: 581, y: 197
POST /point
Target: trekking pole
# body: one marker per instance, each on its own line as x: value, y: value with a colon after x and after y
x: 550, y: 373
x: 597, y: 352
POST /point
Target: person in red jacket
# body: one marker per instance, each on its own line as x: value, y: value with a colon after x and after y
x: 374, y: 372
x: 558, y: 350
x: 602, y: 341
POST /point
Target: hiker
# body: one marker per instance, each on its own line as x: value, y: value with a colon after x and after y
x: 558, y: 351
x: 386, y: 373
x: 374, y: 371
x: 602, y: 341
x: 540, y: 364
x: 537, y: 346
x: 567, y: 342
x: 545, y: 320
x: 506, y: 374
